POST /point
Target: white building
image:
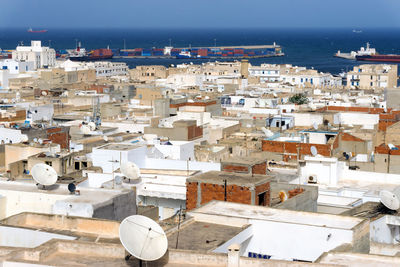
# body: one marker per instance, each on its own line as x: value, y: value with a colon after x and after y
x: 283, y: 234
x: 41, y: 56
x: 266, y: 72
x: 16, y: 67
x: 108, y: 69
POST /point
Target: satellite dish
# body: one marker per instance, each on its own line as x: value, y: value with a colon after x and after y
x: 92, y: 126
x: 35, y: 140
x: 315, y: 126
x: 40, y: 141
x: 85, y: 129
x: 275, y: 95
x: 390, y: 199
x: 143, y: 238
x: 44, y: 93
x: 43, y: 174
x: 71, y: 188
x: 314, y: 151
x: 105, y: 138
x: 267, y: 132
x: 130, y: 170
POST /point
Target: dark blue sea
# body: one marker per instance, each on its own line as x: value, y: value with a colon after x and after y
x: 302, y: 47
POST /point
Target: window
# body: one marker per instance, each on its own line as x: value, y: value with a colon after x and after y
x: 49, y: 163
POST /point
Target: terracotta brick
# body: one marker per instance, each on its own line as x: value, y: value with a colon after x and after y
x: 191, y: 195
x: 235, y: 168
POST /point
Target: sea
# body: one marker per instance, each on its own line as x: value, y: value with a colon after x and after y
x: 312, y: 47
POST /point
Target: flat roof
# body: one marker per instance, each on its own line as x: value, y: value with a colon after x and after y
x: 229, y: 209
x: 219, y: 177
x: 202, y: 236
x: 123, y: 147
x: 94, y: 196
x: 244, y: 160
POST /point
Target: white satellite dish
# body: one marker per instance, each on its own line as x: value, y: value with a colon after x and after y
x: 143, y: 238
x: 40, y: 141
x: 391, y: 146
x: 190, y: 101
x: 44, y: 93
x: 267, y: 132
x: 43, y: 174
x: 105, y: 138
x: 314, y: 151
x: 92, y: 126
x: 85, y: 129
x: 130, y: 170
x: 315, y: 126
x: 390, y: 199
x: 35, y: 140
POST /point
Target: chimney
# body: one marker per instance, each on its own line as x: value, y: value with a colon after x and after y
x: 234, y: 255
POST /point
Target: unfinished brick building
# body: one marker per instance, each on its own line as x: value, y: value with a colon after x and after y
x: 249, y: 165
x: 227, y: 186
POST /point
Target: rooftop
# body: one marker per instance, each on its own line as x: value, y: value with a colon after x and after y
x: 123, y: 147
x: 218, y: 177
x: 201, y: 236
x: 232, y: 210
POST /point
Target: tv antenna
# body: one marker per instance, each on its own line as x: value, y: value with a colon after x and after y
x: 143, y: 238
x: 44, y: 175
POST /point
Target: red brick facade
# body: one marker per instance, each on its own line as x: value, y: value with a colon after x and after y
x: 234, y: 193
x: 305, y: 149
x: 191, y: 195
x: 58, y: 136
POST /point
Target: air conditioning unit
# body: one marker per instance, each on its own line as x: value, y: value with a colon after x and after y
x: 312, y: 179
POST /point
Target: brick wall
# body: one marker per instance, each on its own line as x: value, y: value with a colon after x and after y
x: 59, y: 136
x: 235, y: 168
x: 260, y: 168
x: 289, y: 147
x: 209, y: 192
x: 261, y: 189
x: 191, y: 195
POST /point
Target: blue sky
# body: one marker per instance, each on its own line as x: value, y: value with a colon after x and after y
x: 199, y: 13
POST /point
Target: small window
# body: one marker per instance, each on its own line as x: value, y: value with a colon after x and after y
x: 49, y: 163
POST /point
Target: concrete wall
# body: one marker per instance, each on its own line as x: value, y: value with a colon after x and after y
x: 306, y: 201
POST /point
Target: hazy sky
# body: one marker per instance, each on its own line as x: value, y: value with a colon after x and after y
x: 199, y: 13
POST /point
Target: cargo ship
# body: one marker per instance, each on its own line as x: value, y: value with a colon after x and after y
x: 379, y: 58
x: 80, y: 54
x: 233, y: 52
x: 353, y: 54
x: 37, y: 31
